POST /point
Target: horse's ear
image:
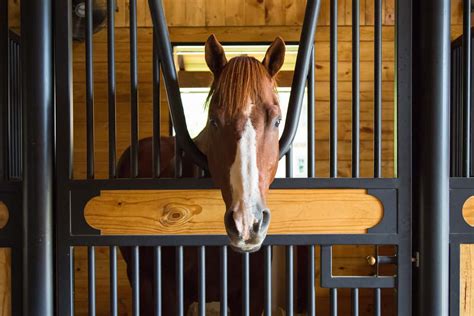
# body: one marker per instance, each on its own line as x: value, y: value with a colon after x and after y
x: 215, y: 56
x: 275, y: 56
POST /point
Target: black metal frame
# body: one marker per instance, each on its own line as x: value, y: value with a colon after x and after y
x: 71, y: 195
x: 10, y: 138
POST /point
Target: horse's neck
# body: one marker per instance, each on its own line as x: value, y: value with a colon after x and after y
x: 202, y: 141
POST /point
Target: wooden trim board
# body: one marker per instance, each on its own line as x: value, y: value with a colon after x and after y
x: 4, y: 215
x: 468, y: 211
x: 198, y: 212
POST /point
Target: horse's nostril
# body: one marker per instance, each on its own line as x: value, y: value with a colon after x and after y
x: 265, y: 217
x: 230, y: 223
x: 256, y: 226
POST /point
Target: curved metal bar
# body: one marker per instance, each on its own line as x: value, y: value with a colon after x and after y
x: 172, y: 87
x: 299, y: 77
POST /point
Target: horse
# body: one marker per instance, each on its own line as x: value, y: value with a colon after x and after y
x: 240, y: 141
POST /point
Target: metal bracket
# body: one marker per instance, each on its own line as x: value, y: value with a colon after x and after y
x: 330, y: 281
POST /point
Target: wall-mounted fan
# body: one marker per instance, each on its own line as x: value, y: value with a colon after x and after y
x: 99, y: 17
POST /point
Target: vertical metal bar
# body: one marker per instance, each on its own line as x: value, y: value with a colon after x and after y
x: 289, y: 281
x: 333, y: 91
x: 38, y: 142
x: 311, y: 110
x: 171, y: 82
x: 223, y: 263
x: 300, y: 73
x: 135, y: 281
x: 63, y: 164
x: 90, y: 90
x: 378, y: 89
x: 311, y: 287
x: 431, y: 153
x: 91, y: 278
x: 466, y: 87
x: 355, y: 301
x: 179, y: 281
x: 333, y: 301
x: 113, y: 280
x: 156, y: 111
x: 157, y: 280
x: 111, y: 86
x: 405, y: 51
x: 202, y: 280
x: 355, y: 88
x: 9, y: 120
x: 246, y: 284
x: 133, y: 89
x: 289, y: 163
x: 71, y: 280
x: 452, y: 121
x: 377, y: 302
x: 4, y: 73
x: 268, y: 280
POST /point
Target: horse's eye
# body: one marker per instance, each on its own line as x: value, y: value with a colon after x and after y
x: 277, y: 122
x: 213, y: 122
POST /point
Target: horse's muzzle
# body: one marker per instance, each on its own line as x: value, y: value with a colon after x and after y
x: 247, y: 238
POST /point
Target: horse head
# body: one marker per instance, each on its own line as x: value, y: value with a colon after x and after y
x: 242, y: 138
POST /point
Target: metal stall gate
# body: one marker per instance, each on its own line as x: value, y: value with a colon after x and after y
x: 73, y: 194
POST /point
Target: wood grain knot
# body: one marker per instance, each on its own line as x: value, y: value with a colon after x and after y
x: 176, y: 214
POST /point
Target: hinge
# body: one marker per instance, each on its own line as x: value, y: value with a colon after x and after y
x: 416, y: 259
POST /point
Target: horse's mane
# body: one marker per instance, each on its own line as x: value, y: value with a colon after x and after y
x: 241, y: 81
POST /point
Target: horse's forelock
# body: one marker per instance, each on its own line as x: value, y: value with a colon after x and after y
x: 241, y: 82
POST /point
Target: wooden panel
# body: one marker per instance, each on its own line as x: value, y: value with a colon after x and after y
x: 199, y: 212
x: 294, y: 12
x: 215, y: 13
x: 3, y: 215
x: 5, y: 282
x: 195, y: 12
x: 234, y: 13
x: 274, y: 12
x: 175, y: 12
x: 468, y: 211
x: 466, y: 283
x: 254, y: 12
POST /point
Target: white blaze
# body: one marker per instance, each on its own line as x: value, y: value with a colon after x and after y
x: 244, y: 181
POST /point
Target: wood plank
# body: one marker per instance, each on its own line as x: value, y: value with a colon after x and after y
x: 234, y: 13
x: 175, y: 11
x: 14, y: 13
x: 122, y: 50
x: 466, y: 282
x: 294, y: 12
x: 468, y: 211
x: 254, y: 12
x: 5, y: 282
x: 388, y: 17
x: 249, y: 33
x: 203, y: 78
x: 195, y: 12
x: 4, y: 215
x: 215, y: 13
x: 324, y: 13
x: 195, y: 212
x: 369, y: 12
x: 274, y: 12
